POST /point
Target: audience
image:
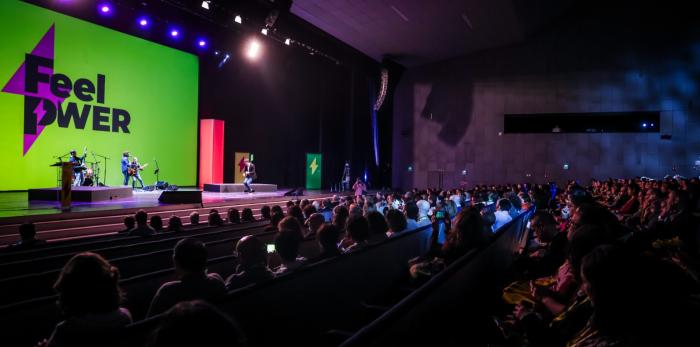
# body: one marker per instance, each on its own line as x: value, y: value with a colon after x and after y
x: 274, y: 221
x: 27, y: 234
x: 396, y: 222
x: 129, y: 224
x: 215, y: 219
x: 190, y: 260
x: 313, y: 224
x: 157, y: 223
x: 502, y: 214
x: 358, y: 231
x: 142, y: 227
x: 377, y: 227
x: 265, y: 212
x: 89, y: 297
x: 327, y: 238
x: 197, y: 323
x: 251, y: 254
x: 194, y: 218
x: 287, y: 242
x: 234, y: 217
x: 175, y: 224
x: 247, y: 216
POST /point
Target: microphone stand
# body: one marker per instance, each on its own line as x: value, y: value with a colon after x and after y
x: 157, y: 173
x: 106, y: 167
x: 96, y: 171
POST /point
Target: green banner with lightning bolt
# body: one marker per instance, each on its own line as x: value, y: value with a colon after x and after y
x: 313, y: 170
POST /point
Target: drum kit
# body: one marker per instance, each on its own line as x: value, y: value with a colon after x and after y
x: 91, y: 170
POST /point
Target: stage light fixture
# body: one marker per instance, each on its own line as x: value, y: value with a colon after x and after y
x: 216, y: 52
x: 205, y: 4
x: 143, y: 22
x: 253, y: 49
x: 238, y: 19
x: 223, y: 61
x: 105, y: 8
x: 202, y: 43
x: 288, y: 41
x: 264, y: 31
x: 174, y: 33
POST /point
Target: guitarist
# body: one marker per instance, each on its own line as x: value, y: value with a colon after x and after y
x: 134, y: 169
x: 79, y: 166
x: 250, y: 175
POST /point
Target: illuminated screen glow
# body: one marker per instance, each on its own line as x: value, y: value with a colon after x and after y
x: 67, y: 83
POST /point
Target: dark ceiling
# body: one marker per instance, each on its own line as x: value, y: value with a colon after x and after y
x: 417, y: 32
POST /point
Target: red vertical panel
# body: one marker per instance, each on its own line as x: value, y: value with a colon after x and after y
x: 211, y: 151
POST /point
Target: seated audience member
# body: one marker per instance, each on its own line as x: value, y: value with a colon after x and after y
x: 287, y: 243
x: 377, y: 227
x: 525, y: 202
x: 89, y: 297
x: 295, y: 211
x: 276, y: 209
x: 340, y: 216
x: 354, y: 210
x: 129, y: 225
x: 215, y: 219
x: 157, y: 223
x: 175, y: 224
x: 411, y: 212
x: 27, y: 234
x: 549, y: 251
x: 289, y: 204
x: 314, y: 223
x: 274, y: 221
x: 194, y: 218
x: 252, y: 263
x: 308, y: 210
x: 291, y: 223
x: 465, y: 233
x: 358, y: 231
x: 142, y: 227
x: 234, y: 217
x: 327, y: 238
x: 196, y: 323
x: 190, y: 260
x: 502, y: 214
x: 396, y: 222
x: 423, y: 209
x: 247, y: 216
x: 265, y: 212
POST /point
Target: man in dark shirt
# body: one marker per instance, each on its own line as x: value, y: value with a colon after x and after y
x: 142, y: 227
x: 190, y: 260
x: 27, y: 233
x: 252, y: 263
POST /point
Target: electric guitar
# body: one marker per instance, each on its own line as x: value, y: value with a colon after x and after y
x: 132, y: 171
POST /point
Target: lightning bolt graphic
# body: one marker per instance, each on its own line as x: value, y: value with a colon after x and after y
x: 39, y: 112
x: 313, y: 166
x: 16, y: 85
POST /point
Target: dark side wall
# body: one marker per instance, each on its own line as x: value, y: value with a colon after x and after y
x: 448, y: 116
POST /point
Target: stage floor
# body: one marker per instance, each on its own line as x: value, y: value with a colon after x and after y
x: 16, y: 204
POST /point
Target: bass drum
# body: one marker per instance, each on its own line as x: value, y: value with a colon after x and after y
x: 87, y: 182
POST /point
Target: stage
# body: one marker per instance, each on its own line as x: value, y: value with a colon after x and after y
x: 90, y: 218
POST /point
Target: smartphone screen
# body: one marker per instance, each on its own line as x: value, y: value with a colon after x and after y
x: 271, y: 248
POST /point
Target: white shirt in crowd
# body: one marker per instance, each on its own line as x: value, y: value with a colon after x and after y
x: 502, y: 217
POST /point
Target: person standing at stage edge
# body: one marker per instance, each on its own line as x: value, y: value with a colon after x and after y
x: 359, y: 187
x: 250, y: 175
x: 125, y: 167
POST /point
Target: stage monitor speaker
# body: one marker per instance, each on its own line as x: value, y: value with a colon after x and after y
x: 181, y: 197
x: 149, y: 188
x: 171, y: 187
x: 161, y: 185
x: 300, y: 191
x: 291, y: 192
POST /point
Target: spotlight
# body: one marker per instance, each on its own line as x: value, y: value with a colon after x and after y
x: 143, y: 22
x: 652, y: 124
x: 202, y: 43
x: 216, y: 52
x: 644, y: 125
x: 174, y: 33
x: 238, y: 19
x: 105, y: 9
x: 223, y: 61
x: 205, y: 4
x: 288, y: 41
x: 264, y: 31
x: 253, y: 49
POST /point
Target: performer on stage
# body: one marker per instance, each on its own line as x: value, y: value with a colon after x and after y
x: 134, y: 171
x: 78, y: 167
x: 346, y: 177
x: 125, y: 167
x: 250, y: 175
x: 359, y: 187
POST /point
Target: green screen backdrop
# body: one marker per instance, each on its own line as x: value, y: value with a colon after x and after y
x: 86, y: 85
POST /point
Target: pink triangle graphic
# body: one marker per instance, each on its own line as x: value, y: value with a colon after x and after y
x: 44, y: 49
